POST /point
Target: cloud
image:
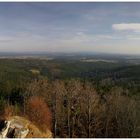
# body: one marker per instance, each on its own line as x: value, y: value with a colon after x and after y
x: 106, y: 37
x: 135, y: 27
x: 4, y: 39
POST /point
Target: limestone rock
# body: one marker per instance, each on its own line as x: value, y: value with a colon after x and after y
x: 19, y: 127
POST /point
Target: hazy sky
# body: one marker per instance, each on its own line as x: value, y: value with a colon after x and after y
x: 66, y: 27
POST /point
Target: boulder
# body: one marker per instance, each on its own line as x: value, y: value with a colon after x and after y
x: 20, y: 127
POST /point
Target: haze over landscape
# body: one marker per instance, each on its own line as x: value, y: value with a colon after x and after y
x: 70, y: 27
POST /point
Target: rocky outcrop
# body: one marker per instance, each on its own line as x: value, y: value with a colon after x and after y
x: 19, y: 127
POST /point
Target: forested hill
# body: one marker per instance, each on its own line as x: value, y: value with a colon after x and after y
x: 19, y: 71
x: 74, y: 97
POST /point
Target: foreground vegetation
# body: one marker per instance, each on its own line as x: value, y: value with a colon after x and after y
x: 77, y: 109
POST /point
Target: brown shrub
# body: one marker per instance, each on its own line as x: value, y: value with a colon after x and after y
x: 38, y: 112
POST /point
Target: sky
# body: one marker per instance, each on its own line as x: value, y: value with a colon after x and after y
x: 70, y: 27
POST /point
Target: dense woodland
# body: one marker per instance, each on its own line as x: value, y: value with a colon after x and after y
x: 73, y: 98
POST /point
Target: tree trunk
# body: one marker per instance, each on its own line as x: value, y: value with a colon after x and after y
x: 89, y: 116
x: 55, y: 119
x: 69, y: 120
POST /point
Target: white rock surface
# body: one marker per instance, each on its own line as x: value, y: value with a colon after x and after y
x: 19, y: 131
x: 21, y: 127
